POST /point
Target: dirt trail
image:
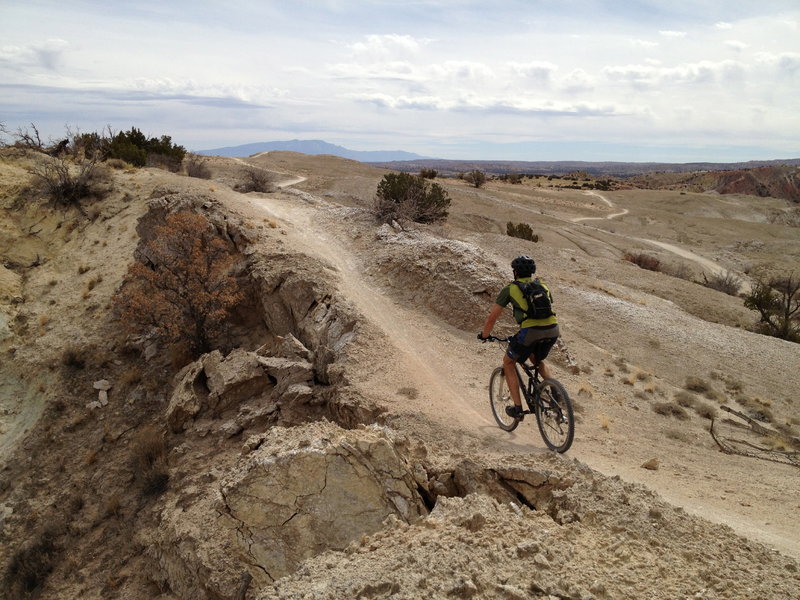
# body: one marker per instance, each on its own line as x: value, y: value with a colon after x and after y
x: 448, y: 368
x: 624, y: 211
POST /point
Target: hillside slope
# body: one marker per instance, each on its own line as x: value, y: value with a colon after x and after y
x: 346, y: 447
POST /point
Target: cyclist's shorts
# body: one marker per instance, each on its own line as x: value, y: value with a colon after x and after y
x: 533, y: 341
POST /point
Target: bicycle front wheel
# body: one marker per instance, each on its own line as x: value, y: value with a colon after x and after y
x: 555, y: 416
x: 499, y: 399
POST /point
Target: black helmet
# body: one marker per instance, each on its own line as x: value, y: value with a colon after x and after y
x: 524, y: 266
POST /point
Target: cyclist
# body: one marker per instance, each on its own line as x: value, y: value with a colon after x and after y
x: 535, y: 337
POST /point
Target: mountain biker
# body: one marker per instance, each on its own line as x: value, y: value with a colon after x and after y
x: 535, y: 337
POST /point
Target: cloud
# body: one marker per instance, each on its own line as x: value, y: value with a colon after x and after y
x: 736, y: 45
x: 47, y: 55
x: 723, y: 26
x: 643, y: 43
x: 388, y: 45
x: 538, y: 71
x: 673, y: 34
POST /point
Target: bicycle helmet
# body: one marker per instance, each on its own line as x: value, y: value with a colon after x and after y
x: 524, y: 266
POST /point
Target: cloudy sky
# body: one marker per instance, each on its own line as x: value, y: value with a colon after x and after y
x: 633, y: 80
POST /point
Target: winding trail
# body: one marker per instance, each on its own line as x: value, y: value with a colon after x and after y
x: 624, y: 211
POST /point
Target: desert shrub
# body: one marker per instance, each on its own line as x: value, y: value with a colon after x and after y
x: 135, y: 148
x: 255, y: 180
x: 725, y: 282
x: 475, y: 177
x: 643, y: 261
x: 184, y: 297
x: 699, y: 385
x: 514, y: 178
x: 197, y: 167
x: 706, y: 411
x: 30, y: 565
x: 522, y: 231
x: 149, y: 461
x: 163, y: 161
x: 428, y: 173
x: 402, y: 196
x: 73, y: 357
x: 778, y: 304
x: 679, y: 270
x: 685, y: 399
x: 670, y: 409
x: 66, y: 183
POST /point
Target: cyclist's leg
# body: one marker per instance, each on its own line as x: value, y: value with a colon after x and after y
x: 511, y: 379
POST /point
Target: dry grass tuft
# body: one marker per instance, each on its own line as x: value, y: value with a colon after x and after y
x: 605, y: 423
x: 678, y: 434
x: 706, y: 411
x: 685, y: 399
x: 671, y: 409
x: 149, y: 461
x: 409, y: 392
x: 30, y: 565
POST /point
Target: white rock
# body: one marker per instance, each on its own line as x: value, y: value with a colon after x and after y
x: 102, y: 397
x: 103, y: 385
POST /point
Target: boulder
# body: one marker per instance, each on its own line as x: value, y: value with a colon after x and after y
x: 236, y: 377
x: 189, y: 397
x: 296, y: 493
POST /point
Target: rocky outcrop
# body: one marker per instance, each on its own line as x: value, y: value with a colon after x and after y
x: 215, y: 384
x: 295, y: 493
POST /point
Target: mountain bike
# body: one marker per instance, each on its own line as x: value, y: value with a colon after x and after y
x: 546, y: 398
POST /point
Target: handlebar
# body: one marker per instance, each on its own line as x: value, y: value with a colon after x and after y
x: 492, y: 338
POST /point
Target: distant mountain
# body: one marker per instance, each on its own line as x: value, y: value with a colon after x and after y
x: 598, y: 169
x: 313, y: 147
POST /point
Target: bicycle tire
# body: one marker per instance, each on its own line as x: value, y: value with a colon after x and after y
x: 555, y: 416
x: 499, y: 398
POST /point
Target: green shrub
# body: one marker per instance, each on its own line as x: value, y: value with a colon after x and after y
x: 428, y: 173
x: 522, y: 231
x: 402, y: 196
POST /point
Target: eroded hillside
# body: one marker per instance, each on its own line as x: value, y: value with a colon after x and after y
x: 340, y: 444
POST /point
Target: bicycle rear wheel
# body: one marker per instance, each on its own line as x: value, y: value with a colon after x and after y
x: 555, y: 416
x: 499, y: 399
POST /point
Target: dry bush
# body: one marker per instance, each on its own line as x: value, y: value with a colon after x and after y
x: 255, y: 180
x: 476, y: 178
x: 699, y: 385
x: 685, y: 399
x: 678, y: 434
x: 185, y: 297
x: 706, y: 411
x: 605, y: 423
x: 31, y: 564
x: 197, y: 167
x: 149, y: 461
x: 66, y: 183
x: 74, y: 357
x: 725, y: 282
x: 778, y: 304
x: 678, y: 270
x: 643, y: 261
x: 671, y: 409
x: 409, y: 392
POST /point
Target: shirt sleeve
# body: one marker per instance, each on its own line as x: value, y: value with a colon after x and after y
x: 504, y: 297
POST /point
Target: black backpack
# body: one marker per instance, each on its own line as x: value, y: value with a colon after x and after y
x: 539, y: 305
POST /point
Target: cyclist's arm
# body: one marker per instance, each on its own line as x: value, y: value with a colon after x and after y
x: 494, y: 314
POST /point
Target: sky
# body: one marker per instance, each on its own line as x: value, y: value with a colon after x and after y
x: 633, y: 80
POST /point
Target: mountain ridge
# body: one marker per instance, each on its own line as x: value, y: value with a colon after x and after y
x: 312, y: 147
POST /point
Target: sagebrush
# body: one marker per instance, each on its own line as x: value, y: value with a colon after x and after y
x: 402, y: 196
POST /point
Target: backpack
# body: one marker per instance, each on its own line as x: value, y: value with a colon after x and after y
x: 538, y: 299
